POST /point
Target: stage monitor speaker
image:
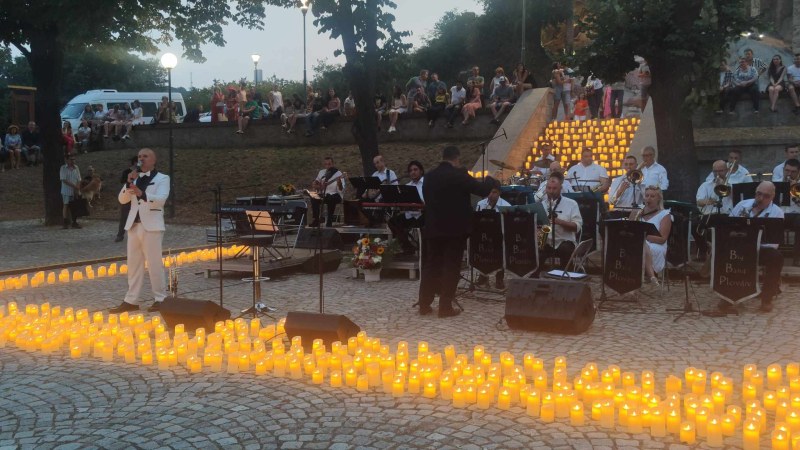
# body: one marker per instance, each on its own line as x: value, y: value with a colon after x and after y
x: 549, y: 305
x: 331, y: 259
x: 328, y: 327
x: 307, y: 238
x: 193, y: 314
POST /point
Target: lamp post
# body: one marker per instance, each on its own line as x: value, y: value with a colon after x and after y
x: 255, y: 57
x: 304, y: 8
x: 169, y: 61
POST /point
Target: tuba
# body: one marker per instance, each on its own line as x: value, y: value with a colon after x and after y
x: 544, y: 231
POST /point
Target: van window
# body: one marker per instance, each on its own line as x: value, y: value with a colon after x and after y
x: 149, y: 109
x: 73, y: 111
x: 179, y: 109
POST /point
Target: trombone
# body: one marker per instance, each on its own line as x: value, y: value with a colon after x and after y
x: 723, y: 189
x: 635, y: 176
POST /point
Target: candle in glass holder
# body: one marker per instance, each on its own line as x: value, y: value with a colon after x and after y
x: 362, y: 385
x: 459, y: 397
x: 429, y: 390
x: 548, y: 412
x: 533, y: 402
x: 751, y: 435
x: 780, y: 440
x: 658, y: 425
x: 714, y: 431
x: 701, y: 419
x: 634, y: 421
x: 504, y: 398
x: 317, y: 376
x: 728, y: 423
x: 673, y: 384
x: 688, y: 434
x: 576, y: 416
x: 774, y: 376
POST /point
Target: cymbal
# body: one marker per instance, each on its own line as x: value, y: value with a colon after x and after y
x: 542, y: 163
x: 502, y: 165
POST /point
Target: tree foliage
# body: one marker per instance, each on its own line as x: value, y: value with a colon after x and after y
x: 369, y: 41
x: 43, y: 31
x: 683, y: 42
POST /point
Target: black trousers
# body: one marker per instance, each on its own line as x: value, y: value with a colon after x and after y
x: 772, y: 260
x: 123, y: 217
x: 594, y: 102
x: 452, y: 112
x: 330, y: 202
x: 563, y: 253
x: 401, y: 226
x: 441, y: 267
x: 732, y: 96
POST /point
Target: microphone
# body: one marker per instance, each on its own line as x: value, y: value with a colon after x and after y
x: 137, y: 169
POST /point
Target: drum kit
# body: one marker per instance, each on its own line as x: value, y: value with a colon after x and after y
x: 522, y: 176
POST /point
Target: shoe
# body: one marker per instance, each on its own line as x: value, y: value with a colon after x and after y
x: 76, y: 226
x: 124, y: 307
x: 730, y: 113
x: 448, y: 312
x: 119, y: 238
x: 126, y: 137
x: 155, y: 307
x: 239, y: 132
x: 66, y: 224
x: 392, y: 129
x: 430, y: 124
x: 719, y: 111
x: 500, y: 284
x: 105, y: 136
x: 654, y: 281
x: 425, y: 310
x: 755, y: 111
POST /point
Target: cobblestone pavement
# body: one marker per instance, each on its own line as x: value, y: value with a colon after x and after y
x: 53, y: 401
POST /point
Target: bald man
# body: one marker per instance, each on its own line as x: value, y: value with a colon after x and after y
x: 708, y: 201
x: 146, y: 191
x: 769, y: 256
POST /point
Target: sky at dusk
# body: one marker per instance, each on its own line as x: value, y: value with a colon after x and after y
x: 280, y: 43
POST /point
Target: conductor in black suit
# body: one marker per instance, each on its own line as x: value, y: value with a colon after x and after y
x: 448, y: 223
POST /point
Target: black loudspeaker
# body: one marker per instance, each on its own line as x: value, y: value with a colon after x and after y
x: 331, y: 260
x: 549, y: 305
x: 328, y: 327
x: 308, y: 238
x: 193, y: 314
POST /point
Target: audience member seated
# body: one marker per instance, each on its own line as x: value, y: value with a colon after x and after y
x: 439, y: 102
x: 124, y: 122
x: 275, y: 100
x: 776, y: 80
x: 420, y: 102
x: 32, y: 144
x: 111, y: 120
x: 326, y: 115
x: 379, y: 102
x: 745, y: 80
x: 13, y: 144
x: 415, y: 83
x: 457, y: 97
x: 521, y: 79
x: 499, y: 73
x: 297, y: 111
x: 251, y: 111
x: 83, y: 137
x: 433, y: 86
x: 472, y: 104
x: 349, y: 105
x: 399, y: 106
x: 193, y: 115
x: 502, y: 98
x: 793, y: 82
x: 99, y: 118
x: 476, y: 78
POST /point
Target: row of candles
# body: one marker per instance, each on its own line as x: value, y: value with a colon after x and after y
x: 42, y: 278
x: 693, y: 407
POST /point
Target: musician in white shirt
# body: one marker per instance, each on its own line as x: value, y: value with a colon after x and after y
x: 741, y: 175
x: 547, y: 155
x: 555, y: 166
x: 384, y: 174
x: 401, y: 224
x: 768, y: 255
x: 792, y: 151
x: 654, y: 173
x: 707, y: 201
x: 329, y: 185
x: 565, y: 221
x: 588, y: 174
x: 621, y: 193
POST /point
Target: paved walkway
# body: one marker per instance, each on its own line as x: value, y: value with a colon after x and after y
x: 53, y: 401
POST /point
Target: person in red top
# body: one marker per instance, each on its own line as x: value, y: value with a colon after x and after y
x: 581, y: 107
x: 217, y: 105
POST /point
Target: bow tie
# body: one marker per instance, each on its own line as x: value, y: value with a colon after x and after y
x: 144, y: 174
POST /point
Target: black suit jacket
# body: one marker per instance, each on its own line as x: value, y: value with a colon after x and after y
x: 448, y: 210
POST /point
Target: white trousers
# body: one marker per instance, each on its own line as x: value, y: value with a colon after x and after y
x: 144, y: 246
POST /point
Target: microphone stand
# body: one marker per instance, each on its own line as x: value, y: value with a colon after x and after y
x: 218, y: 205
x: 483, y: 145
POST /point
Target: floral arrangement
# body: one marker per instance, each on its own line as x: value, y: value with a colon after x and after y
x: 368, y: 253
x: 286, y: 189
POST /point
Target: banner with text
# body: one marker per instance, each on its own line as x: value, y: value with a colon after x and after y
x: 734, y: 262
x: 486, y: 242
x: 522, y: 255
x: 624, y: 255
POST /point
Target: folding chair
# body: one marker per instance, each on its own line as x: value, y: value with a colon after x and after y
x: 576, y: 261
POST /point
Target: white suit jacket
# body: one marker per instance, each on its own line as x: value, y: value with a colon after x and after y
x: 151, y: 211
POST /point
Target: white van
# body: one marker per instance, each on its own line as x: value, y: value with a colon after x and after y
x: 110, y: 97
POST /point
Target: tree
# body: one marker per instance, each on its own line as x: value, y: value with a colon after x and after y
x: 43, y: 31
x: 683, y: 42
x: 368, y: 40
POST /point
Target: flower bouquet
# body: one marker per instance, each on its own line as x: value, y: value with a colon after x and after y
x: 286, y: 189
x: 368, y: 253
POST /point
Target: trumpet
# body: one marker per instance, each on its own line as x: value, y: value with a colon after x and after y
x: 544, y: 231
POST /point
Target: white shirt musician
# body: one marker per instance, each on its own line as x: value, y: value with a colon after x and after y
x: 330, y: 181
x: 707, y: 199
x: 401, y: 224
x: 547, y: 156
x: 492, y: 202
x: 386, y: 175
x: 565, y: 220
x: 566, y: 188
x: 769, y: 255
x: 588, y: 174
x: 622, y: 193
x: 415, y: 170
x: 654, y: 173
x: 741, y: 175
x: 792, y: 152
x: 655, y: 252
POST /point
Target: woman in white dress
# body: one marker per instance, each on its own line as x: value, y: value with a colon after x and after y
x: 655, y: 252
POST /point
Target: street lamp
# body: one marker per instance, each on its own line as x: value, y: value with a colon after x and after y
x: 304, y: 8
x: 169, y: 61
x: 255, y: 57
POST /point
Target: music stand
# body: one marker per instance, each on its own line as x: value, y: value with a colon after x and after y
x: 533, y: 208
x: 782, y: 195
x: 618, y: 226
x: 743, y: 191
x: 395, y: 193
x: 594, y: 200
x: 362, y: 184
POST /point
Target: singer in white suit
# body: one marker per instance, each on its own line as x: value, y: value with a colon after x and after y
x: 147, y: 191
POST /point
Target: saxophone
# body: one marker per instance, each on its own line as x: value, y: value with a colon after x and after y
x: 544, y: 231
